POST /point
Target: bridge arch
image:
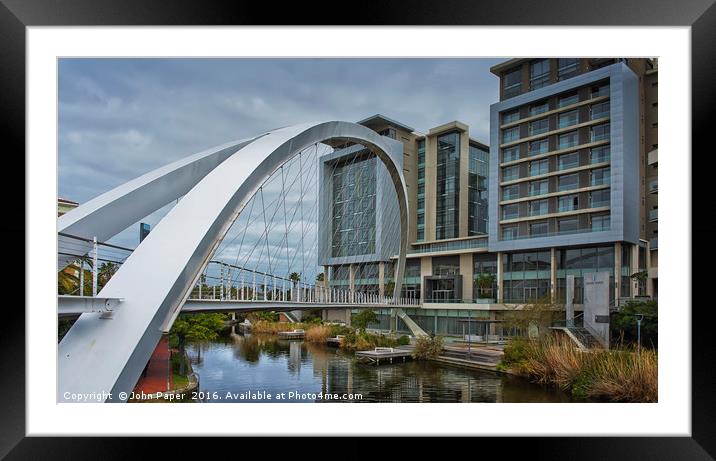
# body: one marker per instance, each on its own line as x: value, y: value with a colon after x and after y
x: 108, y: 355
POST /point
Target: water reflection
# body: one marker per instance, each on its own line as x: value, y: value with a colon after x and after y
x: 267, y: 365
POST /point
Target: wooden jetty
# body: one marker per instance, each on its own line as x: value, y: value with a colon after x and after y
x: 295, y: 334
x: 384, y: 354
x: 334, y: 341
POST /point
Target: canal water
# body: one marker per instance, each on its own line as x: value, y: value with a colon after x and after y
x: 260, y: 368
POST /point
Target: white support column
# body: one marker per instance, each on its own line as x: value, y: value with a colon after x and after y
x: 94, y: 266
x: 82, y: 277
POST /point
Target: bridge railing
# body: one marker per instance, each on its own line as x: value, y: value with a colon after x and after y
x: 91, y: 263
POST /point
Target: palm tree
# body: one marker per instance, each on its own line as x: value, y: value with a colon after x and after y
x: 295, y: 277
x: 106, y: 271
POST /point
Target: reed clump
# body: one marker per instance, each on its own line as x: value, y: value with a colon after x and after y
x: 623, y: 375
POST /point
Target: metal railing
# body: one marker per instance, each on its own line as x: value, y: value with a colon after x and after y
x: 100, y: 258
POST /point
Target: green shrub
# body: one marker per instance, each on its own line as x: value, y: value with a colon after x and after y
x: 515, y: 352
x: 403, y: 341
x: 427, y: 347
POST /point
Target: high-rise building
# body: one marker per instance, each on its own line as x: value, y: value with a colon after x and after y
x: 566, y: 187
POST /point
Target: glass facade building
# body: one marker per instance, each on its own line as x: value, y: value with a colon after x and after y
x: 448, y: 186
x: 354, y: 195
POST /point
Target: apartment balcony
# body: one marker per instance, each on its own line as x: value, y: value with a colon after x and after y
x: 654, y: 186
x: 653, y: 157
x: 654, y: 215
x: 654, y: 243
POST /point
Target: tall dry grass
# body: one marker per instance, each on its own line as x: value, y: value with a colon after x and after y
x: 318, y: 333
x: 618, y: 375
x: 626, y: 375
x: 266, y: 327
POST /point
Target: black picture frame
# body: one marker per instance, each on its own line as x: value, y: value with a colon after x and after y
x: 700, y: 15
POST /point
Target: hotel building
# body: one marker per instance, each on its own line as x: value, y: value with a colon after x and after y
x: 566, y: 186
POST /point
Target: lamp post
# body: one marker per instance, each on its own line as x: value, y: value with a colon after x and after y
x: 639, y: 318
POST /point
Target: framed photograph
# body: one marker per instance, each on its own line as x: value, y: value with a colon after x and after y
x: 431, y: 222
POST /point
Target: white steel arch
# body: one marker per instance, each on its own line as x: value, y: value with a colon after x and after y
x: 110, y: 213
x: 107, y: 355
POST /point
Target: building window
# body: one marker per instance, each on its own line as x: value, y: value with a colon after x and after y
x: 599, y: 198
x: 600, y: 90
x: 568, y: 203
x: 510, y: 154
x: 389, y: 132
x: 421, y: 191
x: 538, y: 147
x: 510, y: 211
x: 600, y: 222
x: 567, y: 225
x: 567, y: 161
x: 568, y: 140
x: 539, y: 167
x: 539, y: 108
x: 511, y: 134
x: 539, y: 127
x: 512, y: 83
x: 539, y: 187
x: 509, y: 232
x: 599, y: 177
x: 600, y: 132
x: 354, y: 193
x: 539, y: 74
x: 568, y: 118
x: 539, y: 228
x: 568, y: 100
x: 599, y: 154
x: 511, y: 116
x: 477, y: 190
x: 567, y: 67
x: 448, y: 186
x: 568, y: 182
x: 539, y: 207
x: 510, y: 192
x: 598, y: 111
x: 510, y: 173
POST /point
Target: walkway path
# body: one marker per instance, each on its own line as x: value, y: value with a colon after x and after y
x: 159, y: 376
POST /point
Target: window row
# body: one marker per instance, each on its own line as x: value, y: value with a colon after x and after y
x: 567, y: 99
x: 565, y: 120
x: 564, y: 203
x: 569, y: 225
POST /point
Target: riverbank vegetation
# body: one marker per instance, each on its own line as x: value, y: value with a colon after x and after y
x: 353, y: 338
x: 427, y: 347
x: 621, y: 375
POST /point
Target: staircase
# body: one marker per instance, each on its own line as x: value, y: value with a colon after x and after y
x: 583, y: 338
x: 410, y: 323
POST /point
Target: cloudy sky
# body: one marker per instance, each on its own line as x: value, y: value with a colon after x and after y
x: 119, y: 118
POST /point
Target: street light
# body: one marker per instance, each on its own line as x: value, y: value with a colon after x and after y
x: 639, y: 318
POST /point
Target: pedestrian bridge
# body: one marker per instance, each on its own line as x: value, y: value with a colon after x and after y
x: 240, y: 236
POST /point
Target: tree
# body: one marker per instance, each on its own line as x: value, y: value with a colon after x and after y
x: 194, y: 327
x: 540, y: 312
x: 485, y: 282
x: 623, y: 322
x: 106, y: 271
x: 295, y: 277
x: 389, y: 288
x: 363, y: 319
x: 641, y: 278
x: 320, y: 277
